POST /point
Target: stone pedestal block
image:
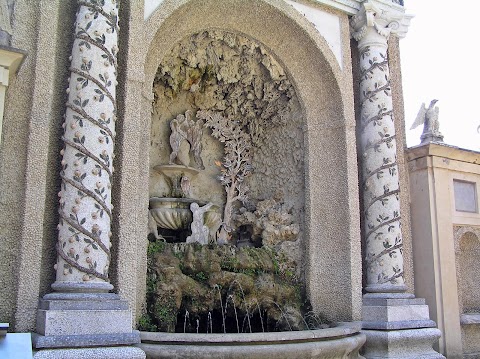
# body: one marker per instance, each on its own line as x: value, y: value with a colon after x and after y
x: 401, y: 344
x: 83, y: 320
x: 398, y: 328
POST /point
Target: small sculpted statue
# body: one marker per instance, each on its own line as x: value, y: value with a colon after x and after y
x: 200, y: 231
x: 194, y: 136
x: 431, y: 126
x: 177, y: 136
x: 185, y: 186
x: 184, y: 128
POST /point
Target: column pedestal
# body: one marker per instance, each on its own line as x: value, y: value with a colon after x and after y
x: 398, y: 326
x: 99, y: 319
x: 85, y: 325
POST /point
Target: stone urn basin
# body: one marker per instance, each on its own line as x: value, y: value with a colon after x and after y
x: 342, y: 341
x: 171, y: 213
x: 175, y: 213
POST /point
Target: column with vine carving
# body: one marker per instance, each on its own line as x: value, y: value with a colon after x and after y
x: 85, y: 208
x: 379, y: 169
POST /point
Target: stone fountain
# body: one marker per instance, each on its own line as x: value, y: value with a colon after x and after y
x: 177, y: 211
x: 227, y: 179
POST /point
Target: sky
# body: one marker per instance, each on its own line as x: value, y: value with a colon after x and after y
x: 440, y: 60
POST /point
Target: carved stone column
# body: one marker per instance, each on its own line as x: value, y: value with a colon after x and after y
x: 381, y: 207
x: 85, y: 210
x: 390, y: 316
x: 82, y: 313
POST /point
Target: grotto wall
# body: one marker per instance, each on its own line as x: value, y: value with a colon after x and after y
x: 325, y: 98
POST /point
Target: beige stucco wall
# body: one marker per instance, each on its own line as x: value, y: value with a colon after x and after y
x: 399, y: 114
x: 437, y: 256
x: 29, y: 158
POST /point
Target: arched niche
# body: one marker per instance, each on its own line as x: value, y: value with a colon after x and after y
x: 325, y: 95
x: 467, y: 252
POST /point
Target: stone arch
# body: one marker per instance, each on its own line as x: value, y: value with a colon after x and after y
x: 325, y: 94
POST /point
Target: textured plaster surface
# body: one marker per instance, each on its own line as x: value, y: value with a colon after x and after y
x: 92, y: 353
x: 467, y: 250
x: 30, y: 157
x: 326, y: 23
x: 467, y: 265
x: 471, y: 340
x: 404, y: 185
x: 326, y: 98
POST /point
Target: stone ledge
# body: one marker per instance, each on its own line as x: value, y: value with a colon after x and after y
x: 471, y: 356
x: 56, y: 304
x: 470, y: 318
x: 87, y: 340
x: 395, y: 313
x: 91, y: 353
x: 367, y: 301
x: 399, y: 325
x: 4, y: 329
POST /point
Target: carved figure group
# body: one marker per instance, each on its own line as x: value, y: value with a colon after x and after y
x: 184, y: 128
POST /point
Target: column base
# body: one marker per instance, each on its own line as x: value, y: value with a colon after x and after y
x: 401, y: 344
x: 79, y: 320
x: 398, y: 326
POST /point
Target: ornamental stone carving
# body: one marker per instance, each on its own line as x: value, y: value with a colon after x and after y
x: 380, y: 183
x: 85, y: 209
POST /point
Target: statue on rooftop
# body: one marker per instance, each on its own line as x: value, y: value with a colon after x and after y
x: 431, y: 126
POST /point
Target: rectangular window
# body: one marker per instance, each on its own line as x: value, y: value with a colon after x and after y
x: 465, y: 196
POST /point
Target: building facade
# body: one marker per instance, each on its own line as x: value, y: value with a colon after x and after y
x: 77, y: 155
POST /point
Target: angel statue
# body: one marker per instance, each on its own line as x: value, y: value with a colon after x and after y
x: 431, y: 127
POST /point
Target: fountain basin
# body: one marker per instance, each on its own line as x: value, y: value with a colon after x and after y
x: 175, y: 213
x: 171, y: 213
x: 342, y: 341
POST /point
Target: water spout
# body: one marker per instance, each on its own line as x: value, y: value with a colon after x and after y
x: 243, y: 297
x: 187, y: 316
x: 230, y: 296
x: 221, y: 306
x: 209, y: 322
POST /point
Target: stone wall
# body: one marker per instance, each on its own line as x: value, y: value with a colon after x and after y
x: 29, y: 158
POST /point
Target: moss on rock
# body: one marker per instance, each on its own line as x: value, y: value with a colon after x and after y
x: 221, y: 288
